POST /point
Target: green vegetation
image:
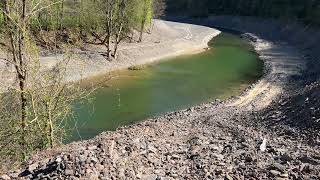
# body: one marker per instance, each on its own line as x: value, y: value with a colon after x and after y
x: 105, y: 22
x: 137, y: 67
x: 36, y: 107
x: 307, y: 11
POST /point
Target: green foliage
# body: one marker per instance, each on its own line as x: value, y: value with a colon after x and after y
x: 306, y: 10
x: 137, y: 67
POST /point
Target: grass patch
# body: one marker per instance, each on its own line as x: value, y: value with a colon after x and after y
x: 137, y: 67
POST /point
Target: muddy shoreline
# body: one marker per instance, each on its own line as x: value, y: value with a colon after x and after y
x: 217, y: 140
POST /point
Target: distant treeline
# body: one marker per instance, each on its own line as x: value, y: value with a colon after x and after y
x: 307, y: 11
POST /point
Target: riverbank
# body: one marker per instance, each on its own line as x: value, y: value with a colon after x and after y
x: 211, y: 141
x: 167, y: 40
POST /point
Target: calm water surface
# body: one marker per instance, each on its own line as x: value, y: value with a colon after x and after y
x: 225, y: 70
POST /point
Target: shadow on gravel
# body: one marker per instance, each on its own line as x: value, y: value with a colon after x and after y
x: 296, y: 117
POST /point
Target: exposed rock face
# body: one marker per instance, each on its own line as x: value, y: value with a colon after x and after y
x: 235, y: 139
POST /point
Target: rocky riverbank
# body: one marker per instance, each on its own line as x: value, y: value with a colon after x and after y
x: 270, y: 132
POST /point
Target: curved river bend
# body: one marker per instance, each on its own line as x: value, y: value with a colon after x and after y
x: 225, y: 70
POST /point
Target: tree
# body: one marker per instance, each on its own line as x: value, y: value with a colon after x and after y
x: 146, y: 15
x: 120, y: 23
x: 34, y: 109
x: 16, y: 22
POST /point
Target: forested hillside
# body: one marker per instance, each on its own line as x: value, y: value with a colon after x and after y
x: 307, y: 11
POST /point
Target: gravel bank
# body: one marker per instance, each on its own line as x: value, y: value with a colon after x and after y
x: 235, y: 139
x: 167, y: 40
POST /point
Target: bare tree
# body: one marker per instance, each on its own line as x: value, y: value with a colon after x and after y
x: 34, y: 109
x: 109, y: 23
x: 16, y: 23
x: 122, y: 20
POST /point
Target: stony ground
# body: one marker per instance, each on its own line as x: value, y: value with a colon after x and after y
x: 185, y: 145
x: 269, y: 132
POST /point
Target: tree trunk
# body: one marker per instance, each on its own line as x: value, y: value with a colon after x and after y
x: 61, y: 16
x: 107, y: 44
x: 17, y: 43
x: 151, y: 27
x: 107, y: 40
x: 50, y: 127
x: 142, y: 29
x: 22, y: 75
x: 117, y: 41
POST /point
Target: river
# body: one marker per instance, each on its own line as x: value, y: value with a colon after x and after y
x: 225, y: 70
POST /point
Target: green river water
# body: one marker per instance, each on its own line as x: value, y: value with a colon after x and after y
x: 223, y: 71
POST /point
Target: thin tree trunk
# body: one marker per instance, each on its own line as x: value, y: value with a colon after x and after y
x: 107, y: 44
x: 17, y: 43
x: 107, y: 40
x: 151, y: 27
x: 142, y: 29
x: 117, y: 41
x: 50, y: 127
x: 22, y: 75
x: 61, y: 16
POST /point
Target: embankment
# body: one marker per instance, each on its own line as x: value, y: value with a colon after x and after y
x: 211, y: 141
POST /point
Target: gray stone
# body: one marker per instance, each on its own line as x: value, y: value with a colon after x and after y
x: 275, y: 173
x: 286, y: 158
x: 228, y: 177
x: 92, y: 148
x: 69, y: 172
x: 284, y: 175
x: 279, y: 167
x: 82, y: 158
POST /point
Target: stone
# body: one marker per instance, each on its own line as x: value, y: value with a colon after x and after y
x: 94, y: 160
x: 73, y: 178
x: 228, y: 177
x: 248, y: 158
x: 263, y: 146
x: 82, y: 158
x: 69, y: 172
x: 88, y: 171
x: 175, y: 156
x: 218, y: 156
x: 275, y: 173
x: 92, y: 148
x: 138, y: 176
x: 58, y: 159
x: 5, y: 177
x: 219, y: 171
x: 284, y: 175
x: 33, y: 167
x: 279, y: 167
x: 150, y: 177
x: 286, y: 158
x: 99, y: 167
